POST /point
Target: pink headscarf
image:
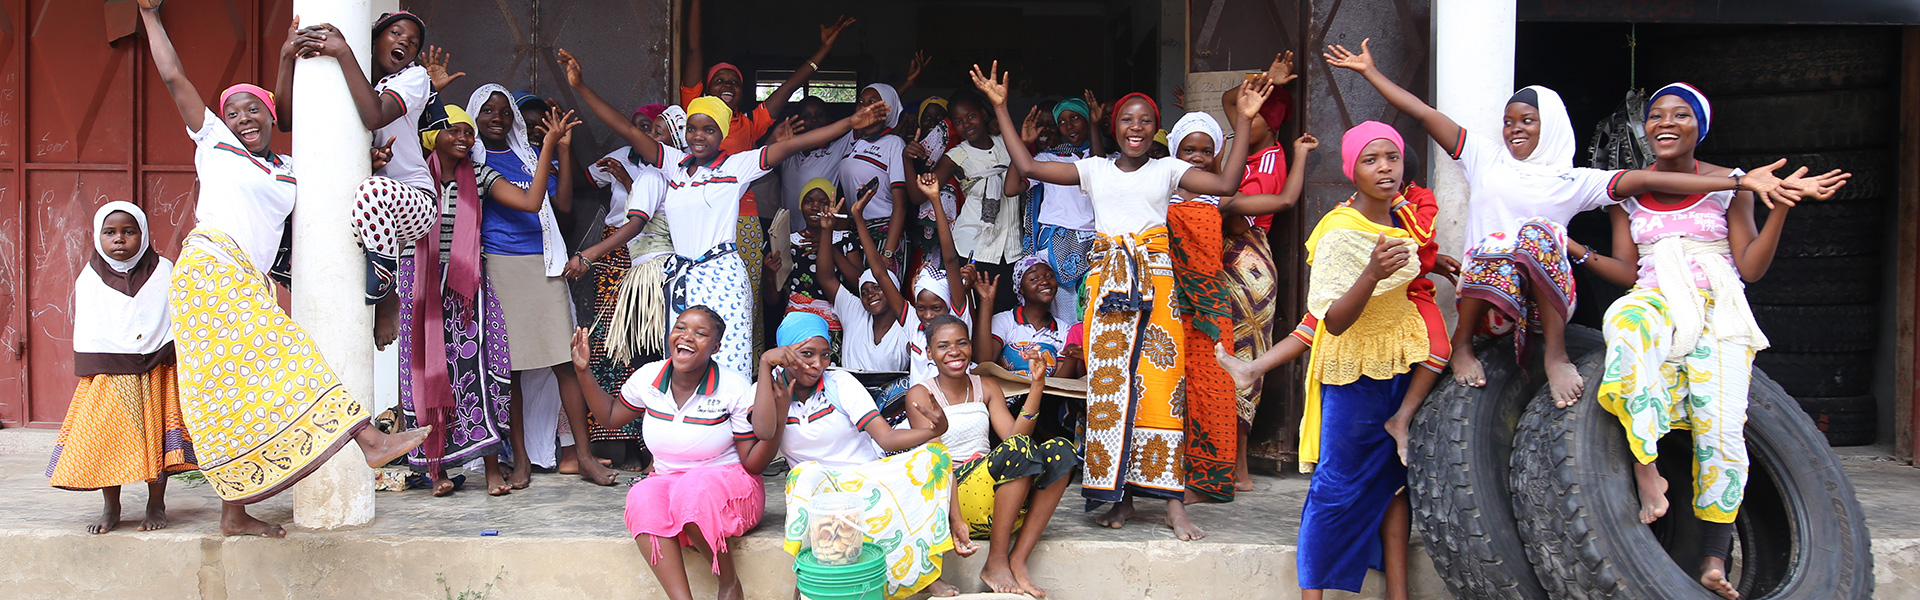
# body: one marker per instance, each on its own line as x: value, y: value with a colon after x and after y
x: 1361, y: 135
x: 718, y: 67
x: 265, y: 97
x: 652, y: 111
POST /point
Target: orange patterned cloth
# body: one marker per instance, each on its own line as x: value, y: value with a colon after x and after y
x: 120, y: 430
x: 1211, y: 413
x: 1135, y: 400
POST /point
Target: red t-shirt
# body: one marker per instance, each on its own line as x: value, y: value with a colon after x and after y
x: 1266, y: 174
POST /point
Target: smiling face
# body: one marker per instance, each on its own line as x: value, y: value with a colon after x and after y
x: 1522, y: 128
x: 691, y: 342
x: 1134, y: 126
x: 928, y: 305
x: 1672, y: 128
x: 703, y: 137
x: 725, y: 85
x: 454, y: 143
x: 250, y: 120
x: 813, y: 115
x: 1037, y: 285
x: 120, y: 236
x: 873, y: 298
x: 950, y: 349
x: 1073, y: 127
x: 1377, y: 171
x: 932, y: 116
x: 1197, y: 149
x: 495, y: 119
x: 396, y: 46
x: 812, y: 204
x: 970, y: 123
x: 810, y: 359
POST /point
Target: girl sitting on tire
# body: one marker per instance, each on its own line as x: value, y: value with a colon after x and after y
x: 1684, y: 330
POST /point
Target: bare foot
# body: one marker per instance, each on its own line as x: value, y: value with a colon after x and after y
x: 1565, y: 380
x: 1713, y: 575
x: 522, y: 475
x: 732, y: 590
x: 235, y: 521
x: 1117, y: 516
x: 381, y: 448
x: 386, y: 321
x: 442, y: 486
x: 156, y: 518
x: 1653, y: 492
x: 1183, y: 527
x: 999, y: 577
x: 569, y: 462
x: 109, y: 519
x: 1025, y: 580
x: 1242, y: 485
x: 1193, y: 497
x: 497, y: 482
x: 1243, y: 372
x: 593, y: 471
x: 942, y: 589
x: 1397, y: 427
x: 1466, y: 370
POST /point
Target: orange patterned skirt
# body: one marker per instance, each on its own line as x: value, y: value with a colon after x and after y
x: 122, y: 429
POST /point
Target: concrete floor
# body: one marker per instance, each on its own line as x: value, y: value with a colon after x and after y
x: 563, y: 538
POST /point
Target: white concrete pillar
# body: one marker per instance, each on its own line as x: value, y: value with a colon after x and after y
x: 329, y: 268
x: 1473, y: 77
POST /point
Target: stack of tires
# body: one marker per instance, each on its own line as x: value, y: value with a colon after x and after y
x: 1835, y: 108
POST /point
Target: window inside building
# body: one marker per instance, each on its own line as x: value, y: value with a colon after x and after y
x: 835, y: 87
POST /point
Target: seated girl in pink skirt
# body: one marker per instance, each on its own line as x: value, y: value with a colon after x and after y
x: 703, y: 490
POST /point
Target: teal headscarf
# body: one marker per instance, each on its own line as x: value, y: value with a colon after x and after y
x: 1070, y: 104
x: 798, y: 326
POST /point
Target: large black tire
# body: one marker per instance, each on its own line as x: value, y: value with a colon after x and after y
x: 1801, y: 532
x: 1873, y: 174
x: 1819, y: 280
x: 1820, y: 328
x: 1822, y: 374
x: 1831, y: 228
x: 1802, y: 122
x: 1821, y: 58
x: 1848, y: 421
x: 1458, y: 455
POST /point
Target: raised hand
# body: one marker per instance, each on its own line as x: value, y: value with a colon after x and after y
x: 1030, y: 126
x: 1766, y: 186
x: 915, y: 67
x: 1179, y: 94
x: 1306, y: 143
x: 870, y: 114
x: 575, y: 78
x: 1039, y: 364
x: 437, y: 59
x: 582, y: 348
x: 1339, y: 56
x: 331, y: 42
x: 985, y: 285
x: 1389, y: 256
x: 1100, y: 111
x: 993, y: 83
x: 1281, y: 71
x: 936, y: 417
x: 383, y: 154
x: 784, y: 131
x: 301, y: 43
x: 1819, y: 187
x: 559, y: 127
x: 828, y: 219
x: 831, y: 33
x: 969, y: 276
x: 915, y: 150
x: 1253, y: 94
x: 929, y: 187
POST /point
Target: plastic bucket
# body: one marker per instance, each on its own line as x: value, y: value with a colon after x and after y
x: 864, y: 580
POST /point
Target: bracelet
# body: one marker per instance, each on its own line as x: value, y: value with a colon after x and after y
x: 1584, y: 256
x: 1736, y: 182
x: 815, y: 66
x: 1029, y: 415
x: 1229, y: 135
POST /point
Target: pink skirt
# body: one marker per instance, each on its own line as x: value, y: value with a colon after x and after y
x: 723, y: 501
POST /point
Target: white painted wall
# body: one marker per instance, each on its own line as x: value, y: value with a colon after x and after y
x: 1473, y: 77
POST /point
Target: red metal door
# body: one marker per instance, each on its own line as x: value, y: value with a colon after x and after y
x: 13, y: 314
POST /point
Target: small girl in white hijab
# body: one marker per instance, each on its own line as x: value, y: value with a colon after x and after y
x: 124, y: 424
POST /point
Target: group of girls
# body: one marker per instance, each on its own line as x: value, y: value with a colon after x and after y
x: 1108, y: 256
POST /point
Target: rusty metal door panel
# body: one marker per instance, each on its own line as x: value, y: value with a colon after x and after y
x: 59, y: 241
x: 13, y: 301
x: 169, y: 198
x: 215, y: 48
x: 79, y: 90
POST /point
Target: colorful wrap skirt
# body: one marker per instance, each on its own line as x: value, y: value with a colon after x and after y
x: 609, y: 373
x: 478, y: 368
x: 1503, y: 272
x: 120, y: 430
x: 1046, y: 462
x: 1136, y: 397
x: 718, y: 280
x: 1211, y: 411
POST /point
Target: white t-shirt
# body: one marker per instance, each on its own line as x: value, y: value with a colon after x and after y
x: 1125, y: 203
x: 411, y: 87
x: 1063, y: 205
x: 857, y: 348
x: 649, y: 188
x: 869, y: 160
x: 829, y: 427
x: 1507, y: 191
x: 244, y: 196
x: 706, y: 204
x: 797, y: 170
x: 699, y: 434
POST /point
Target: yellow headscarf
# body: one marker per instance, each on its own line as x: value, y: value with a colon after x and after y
x: 455, y: 115
x: 819, y: 183
x: 713, y: 108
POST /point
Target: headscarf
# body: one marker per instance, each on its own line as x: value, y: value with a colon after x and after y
x: 935, y: 281
x: 651, y: 111
x: 713, y: 108
x: 800, y: 326
x: 521, y: 98
x: 1071, y: 105
x: 1115, y: 121
x: 1020, y: 269
x: 553, y: 248
x: 387, y: 20
x: 1160, y: 137
x: 100, y: 222
x: 265, y: 97
x: 892, y: 98
x: 1365, y: 133
x: 931, y: 101
x: 1277, y: 108
x: 113, y: 318
x: 722, y: 66
x: 1554, y: 152
x: 452, y: 115
x: 676, y: 120
x: 1195, y: 122
x: 819, y: 183
x: 867, y: 277
x: 1701, y: 107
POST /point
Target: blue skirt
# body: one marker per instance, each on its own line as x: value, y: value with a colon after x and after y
x: 1357, y: 477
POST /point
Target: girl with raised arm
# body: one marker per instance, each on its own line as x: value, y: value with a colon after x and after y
x: 703, y: 490
x: 1680, y: 343
x: 1525, y: 189
x: 1134, y: 432
x: 704, y: 190
x: 263, y: 407
x: 1065, y: 217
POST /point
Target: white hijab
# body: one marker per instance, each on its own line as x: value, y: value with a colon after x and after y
x: 1553, y: 155
x: 553, y: 249
x: 1195, y: 122
x: 892, y: 98
x: 107, y: 320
